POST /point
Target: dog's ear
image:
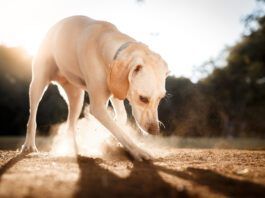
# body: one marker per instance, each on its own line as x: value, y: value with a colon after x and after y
x: 117, y: 80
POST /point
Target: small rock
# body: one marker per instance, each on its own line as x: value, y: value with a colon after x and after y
x: 242, y: 171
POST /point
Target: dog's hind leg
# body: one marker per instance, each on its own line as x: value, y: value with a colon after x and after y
x: 74, y: 100
x: 37, y: 87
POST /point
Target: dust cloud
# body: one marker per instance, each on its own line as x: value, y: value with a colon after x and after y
x: 94, y: 140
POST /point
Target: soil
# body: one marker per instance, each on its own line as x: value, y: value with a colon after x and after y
x: 183, y: 173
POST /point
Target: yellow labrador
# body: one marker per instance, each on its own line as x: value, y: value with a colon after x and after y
x: 82, y: 54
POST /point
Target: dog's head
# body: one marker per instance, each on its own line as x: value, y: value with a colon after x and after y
x: 139, y: 75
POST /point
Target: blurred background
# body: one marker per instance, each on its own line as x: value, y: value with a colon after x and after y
x: 215, y: 51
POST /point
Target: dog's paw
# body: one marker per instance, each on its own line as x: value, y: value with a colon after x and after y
x: 140, y: 155
x: 28, y: 149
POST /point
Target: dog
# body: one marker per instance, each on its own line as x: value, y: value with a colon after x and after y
x: 82, y: 54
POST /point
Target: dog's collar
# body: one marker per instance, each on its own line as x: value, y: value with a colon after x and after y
x: 122, y: 47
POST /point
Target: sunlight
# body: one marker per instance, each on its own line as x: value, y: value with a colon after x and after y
x: 122, y: 171
x: 168, y: 27
x: 31, y: 49
x: 93, y: 140
x: 92, y: 137
x: 63, y: 144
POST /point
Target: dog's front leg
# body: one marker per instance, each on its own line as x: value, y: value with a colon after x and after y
x: 98, y: 109
x: 120, y: 111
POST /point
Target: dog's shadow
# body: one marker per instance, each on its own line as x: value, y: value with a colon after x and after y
x: 10, y: 163
x: 218, y: 183
x: 144, y: 181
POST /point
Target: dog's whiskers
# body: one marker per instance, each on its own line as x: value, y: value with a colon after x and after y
x: 167, y: 96
x: 161, y: 124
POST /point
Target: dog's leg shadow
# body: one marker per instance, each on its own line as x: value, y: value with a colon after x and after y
x: 10, y: 163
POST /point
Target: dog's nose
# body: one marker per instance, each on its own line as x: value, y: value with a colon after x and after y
x: 153, y: 128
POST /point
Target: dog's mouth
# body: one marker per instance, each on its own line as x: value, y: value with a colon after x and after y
x: 147, y: 128
x: 153, y: 129
x: 150, y: 130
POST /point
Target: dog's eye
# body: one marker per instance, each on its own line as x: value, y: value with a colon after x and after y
x: 138, y: 68
x: 144, y: 99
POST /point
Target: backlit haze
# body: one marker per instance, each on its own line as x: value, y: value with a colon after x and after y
x: 186, y: 33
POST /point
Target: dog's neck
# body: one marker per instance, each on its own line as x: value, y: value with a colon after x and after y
x: 122, y: 47
x: 113, y: 44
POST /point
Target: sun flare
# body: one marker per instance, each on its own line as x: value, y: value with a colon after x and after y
x: 166, y: 26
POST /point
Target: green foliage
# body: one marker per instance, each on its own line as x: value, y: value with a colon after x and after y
x: 239, y: 87
x: 187, y: 111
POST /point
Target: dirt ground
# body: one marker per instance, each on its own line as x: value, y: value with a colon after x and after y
x: 183, y: 173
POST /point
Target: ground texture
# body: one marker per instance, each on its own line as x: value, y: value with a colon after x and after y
x: 183, y: 173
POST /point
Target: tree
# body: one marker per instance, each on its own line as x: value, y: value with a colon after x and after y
x: 239, y: 87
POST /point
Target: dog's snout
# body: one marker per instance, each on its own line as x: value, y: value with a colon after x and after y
x: 153, y: 128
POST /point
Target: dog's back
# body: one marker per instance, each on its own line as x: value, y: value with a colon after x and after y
x: 64, y: 47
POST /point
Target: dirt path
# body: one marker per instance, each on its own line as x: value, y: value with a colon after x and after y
x: 184, y: 173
